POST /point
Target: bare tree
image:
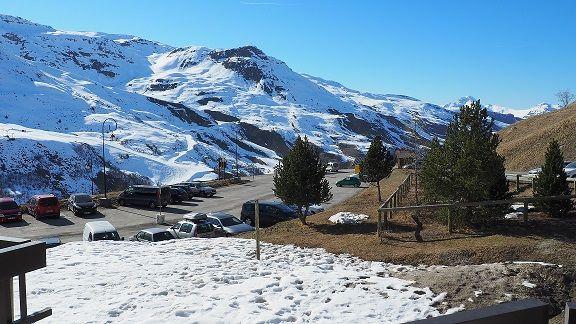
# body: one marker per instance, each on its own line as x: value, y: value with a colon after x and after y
x: 565, y: 97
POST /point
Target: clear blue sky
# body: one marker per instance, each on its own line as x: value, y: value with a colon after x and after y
x: 513, y: 53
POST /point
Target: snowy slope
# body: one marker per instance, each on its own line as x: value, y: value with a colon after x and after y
x: 503, y: 116
x: 219, y: 280
x: 177, y: 109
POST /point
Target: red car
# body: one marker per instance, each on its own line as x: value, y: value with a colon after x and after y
x: 41, y: 206
x: 9, y: 210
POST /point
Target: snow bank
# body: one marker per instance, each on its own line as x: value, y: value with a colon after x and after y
x: 219, y: 280
x: 348, y: 218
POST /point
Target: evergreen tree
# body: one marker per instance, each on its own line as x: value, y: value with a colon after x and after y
x: 299, y: 178
x: 551, y: 181
x: 377, y: 164
x: 466, y: 167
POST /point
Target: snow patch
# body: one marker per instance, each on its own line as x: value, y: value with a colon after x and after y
x: 348, y: 218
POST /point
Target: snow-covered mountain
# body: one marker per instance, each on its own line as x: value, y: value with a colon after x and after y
x: 504, y: 116
x: 177, y: 110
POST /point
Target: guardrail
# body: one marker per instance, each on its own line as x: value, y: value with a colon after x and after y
x: 17, y: 257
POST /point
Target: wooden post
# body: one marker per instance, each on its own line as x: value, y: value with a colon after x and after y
x: 517, y: 183
x: 379, y: 228
x: 22, y: 292
x: 6, y: 300
x: 385, y: 224
x: 533, y: 185
x: 450, y: 214
x: 257, y: 223
x: 525, y: 212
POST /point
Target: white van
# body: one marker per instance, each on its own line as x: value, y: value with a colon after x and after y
x: 332, y: 167
x: 100, y: 230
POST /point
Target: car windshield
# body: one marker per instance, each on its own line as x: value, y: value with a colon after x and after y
x: 111, y: 236
x: 571, y: 165
x: 230, y: 221
x: 48, y: 202
x: 8, y: 205
x: 83, y: 199
x: 162, y: 236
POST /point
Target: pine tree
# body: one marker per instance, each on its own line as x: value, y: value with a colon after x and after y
x: 551, y: 181
x: 299, y: 178
x: 377, y: 164
x: 466, y: 167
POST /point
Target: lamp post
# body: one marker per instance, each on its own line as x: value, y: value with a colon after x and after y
x: 236, y: 154
x: 103, y: 152
x: 89, y: 169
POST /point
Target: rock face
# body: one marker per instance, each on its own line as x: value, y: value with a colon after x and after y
x: 177, y: 110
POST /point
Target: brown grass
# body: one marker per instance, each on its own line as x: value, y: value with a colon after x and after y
x: 525, y: 142
x: 542, y: 239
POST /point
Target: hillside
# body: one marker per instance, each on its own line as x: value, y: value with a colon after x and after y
x: 524, y: 143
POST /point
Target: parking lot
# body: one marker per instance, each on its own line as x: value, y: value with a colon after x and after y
x: 129, y: 220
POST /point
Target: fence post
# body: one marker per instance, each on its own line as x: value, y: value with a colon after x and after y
x: 525, y: 212
x: 257, y: 223
x: 570, y: 313
x: 379, y: 228
x: 517, y: 183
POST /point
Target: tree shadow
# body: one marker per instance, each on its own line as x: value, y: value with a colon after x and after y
x: 187, y: 203
x: 344, y: 229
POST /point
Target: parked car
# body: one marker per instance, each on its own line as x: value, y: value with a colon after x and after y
x: 226, y: 224
x: 81, y: 204
x: 100, y: 231
x: 570, y: 169
x: 349, y: 181
x: 9, y: 210
x: 189, y: 191
x: 177, y: 195
x: 202, y: 190
x: 193, y: 225
x: 154, y: 234
x: 311, y: 210
x: 271, y: 212
x: 51, y: 241
x: 145, y: 196
x: 42, y: 206
x: 332, y: 167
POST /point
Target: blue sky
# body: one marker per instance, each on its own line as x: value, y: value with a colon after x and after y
x: 512, y: 53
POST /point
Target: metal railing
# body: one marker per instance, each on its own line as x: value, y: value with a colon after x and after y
x: 17, y: 257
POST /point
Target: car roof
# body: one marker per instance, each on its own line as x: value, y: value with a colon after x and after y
x: 101, y: 226
x: 44, y: 196
x: 194, y: 216
x: 79, y: 194
x: 154, y: 230
x: 268, y: 202
x: 219, y: 215
x: 6, y: 199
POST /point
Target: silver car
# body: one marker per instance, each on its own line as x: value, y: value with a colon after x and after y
x: 227, y: 224
x: 193, y: 225
x: 152, y: 235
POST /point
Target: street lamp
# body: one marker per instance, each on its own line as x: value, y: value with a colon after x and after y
x: 236, y: 155
x: 103, y: 152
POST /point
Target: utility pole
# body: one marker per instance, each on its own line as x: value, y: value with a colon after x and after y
x: 104, y: 153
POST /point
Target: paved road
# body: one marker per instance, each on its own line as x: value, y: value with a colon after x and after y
x: 129, y: 220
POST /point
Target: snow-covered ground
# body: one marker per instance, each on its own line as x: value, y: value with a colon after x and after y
x: 348, y: 218
x: 219, y: 280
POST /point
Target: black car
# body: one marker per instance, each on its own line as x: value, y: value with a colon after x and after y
x: 271, y: 212
x: 189, y: 192
x: 81, y: 204
x: 177, y: 195
x: 200, y: 189
x: 149, y: 196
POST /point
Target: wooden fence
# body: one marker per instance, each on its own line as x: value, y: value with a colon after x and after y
x: 395, y: 199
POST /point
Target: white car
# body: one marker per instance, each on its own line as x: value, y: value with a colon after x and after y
x: 100, y: 231
x: 569, y: 168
